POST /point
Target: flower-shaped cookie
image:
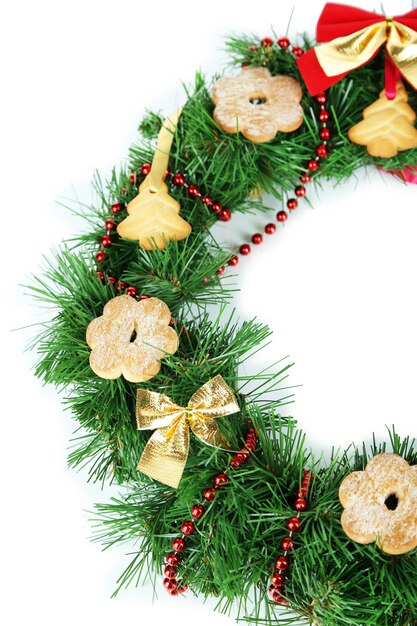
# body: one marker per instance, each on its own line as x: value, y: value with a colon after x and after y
x: 257, y: 104
x: 130, y: 338
x: 381, y: 504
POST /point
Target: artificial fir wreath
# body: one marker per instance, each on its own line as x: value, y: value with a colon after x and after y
x: 251, y: 517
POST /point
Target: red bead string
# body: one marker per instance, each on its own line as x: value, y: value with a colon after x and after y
x: 179, y: 544
x: 282, y: 563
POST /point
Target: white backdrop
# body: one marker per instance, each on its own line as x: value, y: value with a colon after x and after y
x: 337, y: 284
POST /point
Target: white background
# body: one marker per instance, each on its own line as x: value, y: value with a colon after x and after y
x: 337, y: 284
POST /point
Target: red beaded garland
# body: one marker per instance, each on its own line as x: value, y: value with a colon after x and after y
x: 297, y: 51
x: 313, y: 165
x: 257, y: 238
x: 105, y: 241
x: 282, y: 216
x: 324, y: 133
x: 270, y: 229
x: 224, y: 215
x: 300, y: 504
x: 221, y: 270
x: 145, y: 169
x: 266, y: 41
x: 321, y: 151
x: 210, y: 494
x: 244, y: 249
x: 178, y: 544
x: 187, y: 528
x: 321, y: 98
x: 324, y: 115
x: 282, y: 563
x: 100, y: 274
x: 117, y: 207
x: 233, y: 261
x: 221, y: 479
x: 294, y: 524
x: 292, y: 204
x: 172, y: 559
x: 169, y: 584
x: 193, y: 191
x: 169, y: 572
x: 109, y: 224
x: 207, y: 200
x: 283, y: 42
x: 178, y: 179
x: 197, y: 511
x: 300, y: 191
x: 287, y: 544
x: 132, y: 291
x: 100, y: 256
x: 277, y: 580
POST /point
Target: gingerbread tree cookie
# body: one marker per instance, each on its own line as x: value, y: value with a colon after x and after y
x: 387, y: 127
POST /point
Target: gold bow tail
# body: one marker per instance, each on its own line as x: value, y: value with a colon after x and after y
x: 354, y: 37
x: 166, y: 452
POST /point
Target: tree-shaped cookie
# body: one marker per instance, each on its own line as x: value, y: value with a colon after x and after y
x: 387, y: 127
x: 154, y: 215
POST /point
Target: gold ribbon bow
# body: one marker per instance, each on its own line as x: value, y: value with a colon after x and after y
x: 343, y: 54
x: 166, y: 452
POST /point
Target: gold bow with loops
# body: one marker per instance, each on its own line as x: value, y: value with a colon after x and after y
x: 345, y: 54
x: 166, y: 452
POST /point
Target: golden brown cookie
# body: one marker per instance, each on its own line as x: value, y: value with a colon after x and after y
x: 387, y: 127
x: 257, y: 104
x: 130, y: 338
x: 381, y: 504
x: 153, y: 218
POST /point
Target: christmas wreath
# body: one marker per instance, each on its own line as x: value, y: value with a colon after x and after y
x: 222, y: 490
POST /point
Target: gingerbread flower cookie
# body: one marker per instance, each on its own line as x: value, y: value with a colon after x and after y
x: 381, y: 504
x: 257, y: 104
x: 130, y: 338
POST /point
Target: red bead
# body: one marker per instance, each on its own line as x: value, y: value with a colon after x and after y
x: 292, y: 204
x: 306, y: 178
x: 321, y: 97
x: 297, y: 51
x: 132, y: 291
x: 100, y: 274
x: 266, y: 41
x: 252, y: 48
x: 207, y: 200
x: 172, y: 559
x: 221, y: 270
x: 302, y: 492
x: 220, y: 480
x: 282, y: 601
x: 324, y: 134
x: 121, y: 286
x: 132, y: 179
x: 275, y: 594
x: 324, y: 115
x: 294, y: 524
x: 100, y: 256
x: 144, y: 297
x: 178, y: 544
x: 277, y: 580
x: 300, y: 504
x: 182, y: 588
x: 283, y: 42
x: 169, y: 572
x: 197, y: 511
x: 233, y: 261
x: 244, y: 249
x: 257, y: 239
x: 282, y: 563
x: 224, y: 215
x: 210, y: 494
x: 112, y: 280
x: 313, y: 166
x: 193, y: 191
x: 270, y: 229
x: 169, y: 584
x: 300, y: 191
x: 187, y: 528
x: 205, y: 280
x: 106, y: 241
x: 321, y: 151
x: 251, y: 445
x: 174, y: 592
x: 145, y: 169
x: 216, y: 207
x: 178, y: 179
x: 109, y: 224
x: 282, y: 216
x: 116, y: 207
x: 287, y: 544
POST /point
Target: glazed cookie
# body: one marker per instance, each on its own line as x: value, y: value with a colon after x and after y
x: 257, y: 104
x: 130, y: 338
x: 387, y: 127
x: 381, y: 504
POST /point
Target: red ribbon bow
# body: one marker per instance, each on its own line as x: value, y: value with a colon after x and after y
x: 339, y: 20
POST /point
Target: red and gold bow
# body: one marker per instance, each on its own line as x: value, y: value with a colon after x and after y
x: 354, y: 37
x: 166, y: 452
